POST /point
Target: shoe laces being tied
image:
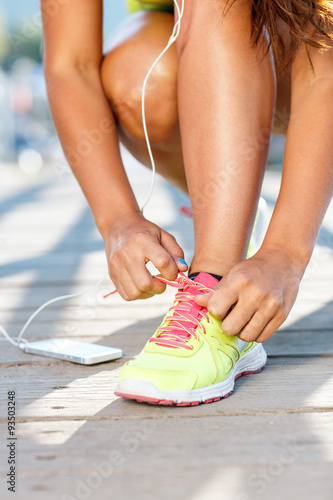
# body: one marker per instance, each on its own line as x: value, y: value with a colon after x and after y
x: 185, y: 315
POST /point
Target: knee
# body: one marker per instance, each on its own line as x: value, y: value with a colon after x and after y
x: 122, y: 79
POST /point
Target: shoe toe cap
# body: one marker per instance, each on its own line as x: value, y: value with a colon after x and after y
x: 165, y: 380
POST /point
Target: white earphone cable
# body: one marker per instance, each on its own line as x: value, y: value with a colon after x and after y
x: 17, y: 341
x: 172, y: 39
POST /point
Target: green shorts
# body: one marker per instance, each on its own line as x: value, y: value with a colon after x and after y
x: 136, y: 5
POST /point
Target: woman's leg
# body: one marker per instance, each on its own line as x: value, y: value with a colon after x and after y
x: 225, y: 135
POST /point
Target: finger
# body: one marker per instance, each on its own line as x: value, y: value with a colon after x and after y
x: 221, y: 301
x: 202, y: 299
x: 130, y: 289
x: 162, y: 260
x: 182, y: 265
x: 143, y: 280
x: 141, y: 277
x: 269, y: 329
x: 169, y: 242
x: 120, y: 290
x: 253, y: 329
x: 117, y: 283
x: 239, y: 317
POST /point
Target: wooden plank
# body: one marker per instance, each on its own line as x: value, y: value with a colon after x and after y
x: 131, y: 338
x: 301, y: 319
x: 58, y: 390
x: 92, y: 323
x: 311, y: 435
x: 44, y: 280
x: 92, y: 265
x: 313, y: 313
x: 198, y: 483
x: 198, y: 454
x: 300, y: 343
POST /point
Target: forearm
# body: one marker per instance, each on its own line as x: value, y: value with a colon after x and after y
x: 87, y: 131
x: 307, y: 180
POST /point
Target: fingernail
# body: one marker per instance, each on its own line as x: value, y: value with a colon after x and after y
x: 209, y: 292
x: 182, y: 262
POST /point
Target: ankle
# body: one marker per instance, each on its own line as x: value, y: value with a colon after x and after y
x: 219, y: 267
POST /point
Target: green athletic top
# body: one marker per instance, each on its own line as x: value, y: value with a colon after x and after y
x: 136, y: 5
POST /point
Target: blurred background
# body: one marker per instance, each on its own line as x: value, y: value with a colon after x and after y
x: 27, y: 135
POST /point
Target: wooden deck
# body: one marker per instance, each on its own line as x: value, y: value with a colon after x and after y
x: 272, y: 439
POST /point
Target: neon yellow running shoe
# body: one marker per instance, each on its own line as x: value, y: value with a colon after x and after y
x: 189, y: 360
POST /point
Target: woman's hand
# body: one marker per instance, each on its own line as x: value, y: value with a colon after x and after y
x: 130, y: 244
x: 262, y: 290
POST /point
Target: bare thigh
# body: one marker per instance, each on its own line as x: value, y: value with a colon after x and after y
x: 129, y: 55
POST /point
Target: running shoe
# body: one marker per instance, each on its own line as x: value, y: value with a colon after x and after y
x: 189, y: 360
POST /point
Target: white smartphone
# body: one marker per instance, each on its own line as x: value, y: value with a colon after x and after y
x: 72, y: 350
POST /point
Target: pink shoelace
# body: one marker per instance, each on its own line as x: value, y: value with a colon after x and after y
x: 187, y: 314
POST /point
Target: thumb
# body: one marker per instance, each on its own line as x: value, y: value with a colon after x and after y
x: 170, y: 244
x: 202, y: 299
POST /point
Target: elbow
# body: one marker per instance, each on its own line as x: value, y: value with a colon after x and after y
x: 63, y: 75
x: 58, y: 69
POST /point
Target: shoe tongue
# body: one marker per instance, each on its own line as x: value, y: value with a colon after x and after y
x: 206, y: 279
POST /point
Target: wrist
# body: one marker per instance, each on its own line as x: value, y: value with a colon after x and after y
x: 107, y: 222
x: 295, y: 255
